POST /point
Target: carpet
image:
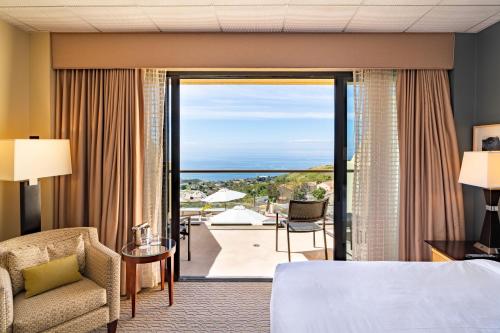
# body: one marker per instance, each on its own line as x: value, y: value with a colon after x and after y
x: 200, y: 307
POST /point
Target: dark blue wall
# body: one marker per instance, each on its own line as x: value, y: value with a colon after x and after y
x: 475, y: 88
x: 463, y: 94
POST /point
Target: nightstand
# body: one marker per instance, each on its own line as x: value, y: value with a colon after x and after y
x: 455, y: 250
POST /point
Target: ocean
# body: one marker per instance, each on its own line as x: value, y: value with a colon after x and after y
x: 260, y: 162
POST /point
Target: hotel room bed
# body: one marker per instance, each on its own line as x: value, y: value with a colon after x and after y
x: 328, y: 296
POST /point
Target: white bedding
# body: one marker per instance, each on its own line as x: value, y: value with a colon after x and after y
x: 329, y: 296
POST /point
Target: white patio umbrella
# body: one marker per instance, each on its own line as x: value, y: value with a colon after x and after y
x: 238, y: 215
x: 224, y: 195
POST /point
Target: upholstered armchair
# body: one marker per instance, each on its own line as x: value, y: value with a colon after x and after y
x: 77, y: 307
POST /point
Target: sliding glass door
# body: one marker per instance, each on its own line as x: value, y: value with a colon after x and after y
x: 264, y: 187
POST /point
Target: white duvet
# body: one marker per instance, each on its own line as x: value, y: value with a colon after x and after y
x: 329, y: 296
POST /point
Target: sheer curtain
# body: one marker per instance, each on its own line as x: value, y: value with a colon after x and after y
x: 154, y: 100
x: 375, y: 205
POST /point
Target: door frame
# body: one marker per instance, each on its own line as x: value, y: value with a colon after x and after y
x: 172, y: 135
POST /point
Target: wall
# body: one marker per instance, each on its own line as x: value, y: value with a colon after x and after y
x: 463, y: 94
x: 14, y: 113
x: 487, y: 93
x: 40, y: 109
x: 24, y: 110
x: 476, y: 98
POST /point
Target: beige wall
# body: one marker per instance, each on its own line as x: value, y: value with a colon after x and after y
x: 40, y: 107
x: 14, y: 113
x: 25, y: 77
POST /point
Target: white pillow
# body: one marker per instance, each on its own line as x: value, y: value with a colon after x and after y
x: 67, y: 247
x: 21, y: 258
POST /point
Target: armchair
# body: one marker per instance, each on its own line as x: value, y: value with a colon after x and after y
x: 78, y: 307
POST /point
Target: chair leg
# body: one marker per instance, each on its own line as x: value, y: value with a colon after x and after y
x: 277, y: 232
x: 288, y: 241
x: 314, y: 238
x: 324, y: 239
x: 112, y: 326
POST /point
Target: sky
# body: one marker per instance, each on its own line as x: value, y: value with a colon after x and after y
x: 257, y: 126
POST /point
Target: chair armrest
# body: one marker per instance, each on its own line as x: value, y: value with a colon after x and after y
x: 280, y: 220
x: 103, y: 267
x: 6, y: 302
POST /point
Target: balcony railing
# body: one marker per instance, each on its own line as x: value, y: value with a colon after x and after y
x: 264, y: 187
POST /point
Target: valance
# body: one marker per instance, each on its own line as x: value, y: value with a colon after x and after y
x: 253, y: 50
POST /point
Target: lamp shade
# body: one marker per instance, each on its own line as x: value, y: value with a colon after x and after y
x: 481, y: 169
x: 22, y: 160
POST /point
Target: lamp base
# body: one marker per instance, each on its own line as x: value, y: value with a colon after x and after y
x: 31, y: 220
x: 489, y: 241
x: 486, y: 249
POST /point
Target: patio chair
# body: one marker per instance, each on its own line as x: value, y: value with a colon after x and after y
x: 303, y: 217
x: 185, y: 232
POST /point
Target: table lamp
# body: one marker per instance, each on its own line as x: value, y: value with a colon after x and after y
x: 26, y: 161
x: 482, y: 169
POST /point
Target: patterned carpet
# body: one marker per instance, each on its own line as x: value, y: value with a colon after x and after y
x: 200, y: 307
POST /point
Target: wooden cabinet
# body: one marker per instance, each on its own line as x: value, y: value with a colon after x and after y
x: 456, y: 250
x: 438, y: 256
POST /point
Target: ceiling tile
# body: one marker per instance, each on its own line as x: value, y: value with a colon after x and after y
x: 61, y: 3
x: 252, y: 15
x: 12, y: 21
x: 184, y: 18
x: 57, y: 19
x: 251, y: 18
x: 161, y: 3
x: 27, y: 3
x: 249, y: 2
x: 453, y: 18
x: 326, y: 2
x: 111, y: 19
x: 470, y: 2
x: 485, y: 24
x: 382, y: 19
x: 402, y: 2
x: 318, y: 18
x: 87, y: 3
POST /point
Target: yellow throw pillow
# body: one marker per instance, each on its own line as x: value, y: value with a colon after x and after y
x: 53, y: 274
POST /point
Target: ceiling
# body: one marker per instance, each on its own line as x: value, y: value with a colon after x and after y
x: 251, y: 15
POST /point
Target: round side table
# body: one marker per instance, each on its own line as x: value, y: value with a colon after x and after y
x: 161, y: 250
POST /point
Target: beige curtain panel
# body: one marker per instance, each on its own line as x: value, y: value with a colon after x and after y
x: 99, y: 111
x: 431, y: 203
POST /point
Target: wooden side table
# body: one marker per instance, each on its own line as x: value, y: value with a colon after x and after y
x: 456, y: 250
x: 163, y: 251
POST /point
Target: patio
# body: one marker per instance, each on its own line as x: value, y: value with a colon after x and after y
x: 246, y: 251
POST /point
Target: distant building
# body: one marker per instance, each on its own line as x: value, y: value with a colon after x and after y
x: 286, y: 193
x: 327, y: 186
x: 309, y: 186
x: 192, y: 196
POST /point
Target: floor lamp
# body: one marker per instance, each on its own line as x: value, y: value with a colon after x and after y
x: 26, y: 161
x: 482, y: 169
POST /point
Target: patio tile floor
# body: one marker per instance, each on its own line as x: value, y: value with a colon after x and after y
x: 245, y: 251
